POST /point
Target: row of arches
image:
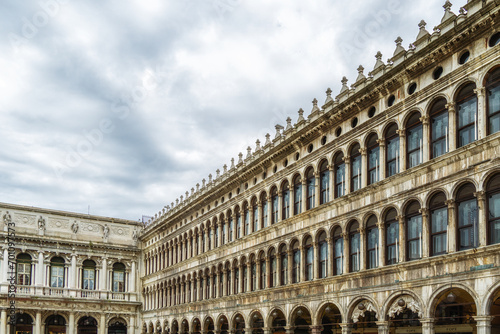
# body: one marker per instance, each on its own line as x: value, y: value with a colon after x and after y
x: 444, y: 126
x: 440, y: 224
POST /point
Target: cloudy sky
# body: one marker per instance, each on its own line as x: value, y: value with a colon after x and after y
x: 125, y: 105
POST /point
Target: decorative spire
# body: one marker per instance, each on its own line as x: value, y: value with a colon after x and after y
x: 218, y: 173
x: 399, y: 48
x: 176, y: 201
x: 249, y: 152
x: 192, y: 191
x: 288, y: 124
x: 257, y: 146
x: 344, y: 85
x: 197, y: 187
x: 232, y: 163
x: 240, y: 156
x: 361, y: 76
x: 224, y: 169
x: 172, y: 204
x: 447, y: 12
x: 278, y: 130
x: 379, y: 61
x: 209, y: 178
x: 182, y: 198
x: 268, y: 139
x: 422, y: 33
x: 187, y: 194
x: 301, y: 115
x: 328, y: 95
x: 315, y: 106
x: 203, y: 183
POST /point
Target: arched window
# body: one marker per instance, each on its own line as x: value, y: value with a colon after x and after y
x: 338, y: 251
x: 439, y: 128
x: 285, y: 197
x: 391, y: 237
x: 265, y: 211
x: 57, y: 272
x: 238, y: 224
x: 263, y: 273
x: 339, y: 168
x: 253, y: 281
x: 355, y: 167
x: 284, y: 265
x: 493, y: 93
x: 274, y: 203
x: 255, y: 211
x: 413, y: 231
x: 297, y: 195
x: 354, y: 247
x: 371, y: 243
x: 324, y: 183
x: 309, y: 250
x: 392, y: 150
x: 467, y: 217
x: 466, y: 115
x: 273, y: 270
x: 88, y: 282
x: 246, y: 215
x: 373, y: 154
x: 323, y: 255
x: 439, y: 224
x: 118, y: 277
x: 296, y: 262
x: 230, y: 226
x: 311, y: 189
x: 23, y: 269
x: 414, y: 140
x: 493, y: 203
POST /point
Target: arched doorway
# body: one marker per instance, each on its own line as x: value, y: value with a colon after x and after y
x: 223, y: 325
x: 24, y: 324
x: 55, y: 324
x: 404, y: 315
x: 239, y: 324
x: 330, y: 319
x: 495, y: 313
x: 364, y: 318
x: 454, y: 312
x: 175, y: 327
x: 117, y: 326
x: 184, y: 327
x: 87, y: 325
x: 196, y: 326
x: 209, y: 326
x: 301, y: 321
x: 257, y: 323
x: 278, y: 322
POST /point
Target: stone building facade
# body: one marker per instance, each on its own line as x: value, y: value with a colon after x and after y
x: 378, y: 212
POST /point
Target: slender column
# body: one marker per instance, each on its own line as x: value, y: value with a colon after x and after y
x: 381, y: 244
x: 260, y: 223
x: 302, y: 264
x: 5, y: 265
x: 383, y: 327
x: 382, y: 155
x: 268, y: 272
x: 132, y: 325
x: 425, y: 232
x: 249, y: 276
x: 483, y: 324
x: 290, y: 266
x: 40, y: 270
x: 427, y: 326
x: 426, y: 138
x: 235, y: 226
x: 304, y: 195
x: 104, y: 275
x: 102, y: 324
x: 331, y: 181
x: 315, y: 329
x: 402, y: 239
x: 71, y: 323
x: 132, y: 287
x: 482, y: 113
x: 346, y: 256
x: 38, y: 323
x: 240, y: 279
x: 482, y: 225
x: 362, y: 249
x: 452, y: 126
x: 251, y: 217
x: 347, y: 173
x: 452, y: 227
x: 292, y: 200
x: 212, y: 239
x: 402, y: 150
x: 346, y: 328
x: 317, y: 181
x: 280, y: 206
x: 329, y: 270
x: 315, y: 260
x: 3, y: 322
x: 259, y: 274
x: 364, y: 167
x: 278, y: 269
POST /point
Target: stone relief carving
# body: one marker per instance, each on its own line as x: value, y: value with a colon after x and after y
x: 120, y: 231
x: 105, y: 231
x: 22, y: 219
x: 7, y: 218
x: 41, y: 223
x: 91, y: 228
x: 409, y: 303
x: 368, y: 307
x: 57, y: 223
x: 75, y: 227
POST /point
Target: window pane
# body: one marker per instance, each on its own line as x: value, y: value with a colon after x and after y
x: 467, y: 223
x: 467, y: 122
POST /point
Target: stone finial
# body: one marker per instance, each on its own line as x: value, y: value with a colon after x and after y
x: 203, y: 183
x: 182, y: 198
x: 268, y: 139
x: 422, y: 24
x: 328, y: 95
x: 411, y: 47
x: 168, y: 207
x: 422, y: 33
x: 192, y: 191
x: 301, y: 115
x: 288, y: 124
x: 232, y: 163
x: 257, y: 146
x: 197, y: 187
x: 176, y: 201
x: 462, y: 11
x: 379, y: 61
x: 240, y: 156
x: 361, y: 76
x: 278, y: 130
x: 398, y: 41
x: 164, y: 210
x: 249, y: 152
x: 187, y: 194
x: 315, y: 106
x: 209, y: 178
x: 217, y: 173
x: 172, y: 205
x: 447, y: 12
x: 224, y: 168
x: 447, y: 5
x: 399, y: 48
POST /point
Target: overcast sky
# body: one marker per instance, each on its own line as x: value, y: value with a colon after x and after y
x: 125, y: 105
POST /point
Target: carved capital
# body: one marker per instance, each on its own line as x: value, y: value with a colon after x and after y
x: 362, y: 151
x: 401, y: 132
x: 480, y: 195
x: 424, y: 211
x: 451, y: 107
x: 450, y: 203
x: 381, y: 142
x: 425, y: 120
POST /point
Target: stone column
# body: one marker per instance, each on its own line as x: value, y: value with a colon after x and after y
x: 427, y: 326
x: 383, y: 327
x: 304, y: 195
x: 259, y: 274
x: 102, y: 324
x: 381, y: 244
x: 278, y: 269
x: 347, y: 173
x: 331, y: 182
x: 364, y: 167
x: 346, y: 328
x: 217, y: 289
x: 402, y: 239
x: 268, y: 272
x: 346, y: 256
x: 402, y: 150
x: 452, y: 227
x: 5, y: 265
x: 38, y: 323
x: 240, y: 279
x: 212, y: 239
x: 362, y: 249
x: 71, y: 324
x: 260, y: 223
x: 382, y: 156
x: 483, y: 324
x: 40, y: 270
x: 425, y: 138
x: 104, y: 276
x: 248, y: 330
x: 482, y: 113
x: 132, y: 287
x: 317, y: 189
x: 3, y: 322
x: 302, y: 263
x: 425, y: 232
x: 481, y: 215
x: 315, y: 260
x: 132, y: 325
x: 280, y: 206
x: 329, y: 261
x: 292, y: 200
x: 290, y: 266
x: 315, y: 329
x: 251, y: 217
x: 249, y: 276
x: 235, y: 226
x: 452, y: 126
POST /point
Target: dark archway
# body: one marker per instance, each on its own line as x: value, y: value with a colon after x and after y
x: 301, y: 321
x: 24, y: 324
x: 223, y: 325
x: 184, y: 327
x: 495, y: 312
x: 55, y: 324
x: 87, y: 325
x: 330, y: 319
x: 278, y: 322
x: 196, y: 326
x: 454, y: 309
x: 257, y: 323
x: 209, y: 326
x: 239, y: 324
x: 117, y: 326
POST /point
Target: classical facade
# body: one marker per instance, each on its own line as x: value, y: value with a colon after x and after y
x: 68, y: 273
x: 377, y: 212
